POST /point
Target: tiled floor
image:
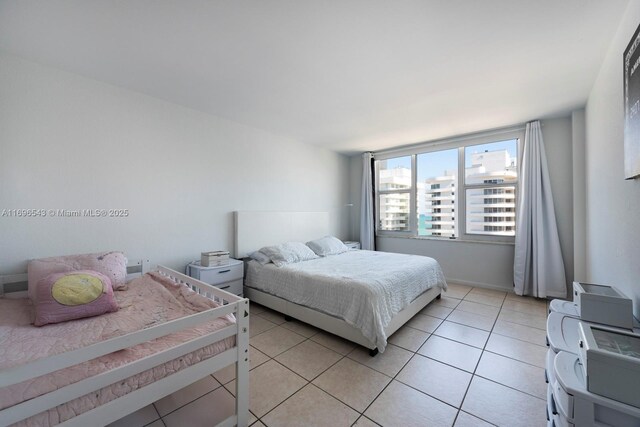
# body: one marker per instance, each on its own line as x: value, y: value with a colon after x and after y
x: 473, y: 358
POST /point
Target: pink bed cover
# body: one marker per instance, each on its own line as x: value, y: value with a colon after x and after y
x: 147, y: 301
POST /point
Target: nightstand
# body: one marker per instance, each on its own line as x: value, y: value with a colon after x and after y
x: 228, y: 277
x: 352, y: 245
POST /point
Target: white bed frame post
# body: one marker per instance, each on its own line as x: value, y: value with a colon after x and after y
x: 242, y: 366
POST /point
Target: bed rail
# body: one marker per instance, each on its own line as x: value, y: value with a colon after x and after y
x: 148, y: 394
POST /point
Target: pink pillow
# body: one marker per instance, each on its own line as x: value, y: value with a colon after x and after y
x: 111, y: 264
x: 68, y: 296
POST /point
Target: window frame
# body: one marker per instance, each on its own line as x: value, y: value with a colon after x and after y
x: 459, y: 143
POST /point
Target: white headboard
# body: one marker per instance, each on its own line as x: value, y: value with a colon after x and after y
x: 255, y: 229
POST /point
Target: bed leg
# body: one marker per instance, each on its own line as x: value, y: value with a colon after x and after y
x: 439, y: 296
x: 288, y: 318
x: 373, y: 352
x: 242, y: 366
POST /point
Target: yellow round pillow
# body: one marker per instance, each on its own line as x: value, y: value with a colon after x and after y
x: 77, y: 289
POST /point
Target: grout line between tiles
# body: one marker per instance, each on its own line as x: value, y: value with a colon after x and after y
x: 476, y: 368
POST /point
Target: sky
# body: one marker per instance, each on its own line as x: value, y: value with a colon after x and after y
x: 435, y: 163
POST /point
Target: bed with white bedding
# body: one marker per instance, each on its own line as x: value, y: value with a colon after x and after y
x: 366, y: 289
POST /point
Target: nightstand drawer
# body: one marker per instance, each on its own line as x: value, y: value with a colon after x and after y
x: 234, y: 287
x: 218, y: 274
x: 221, y: 274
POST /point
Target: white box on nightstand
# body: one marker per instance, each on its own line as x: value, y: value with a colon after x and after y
x: 352, y: 245
x: 228, y: 277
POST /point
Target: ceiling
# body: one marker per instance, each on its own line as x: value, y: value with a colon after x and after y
x: 349, y: 75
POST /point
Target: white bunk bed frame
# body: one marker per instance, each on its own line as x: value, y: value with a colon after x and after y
x: 131, y: 402
x: 280, y: 227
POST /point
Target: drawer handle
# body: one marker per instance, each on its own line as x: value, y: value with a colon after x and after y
x: 554, y: 410
x: 546, y: 377
x: 225, y: 287
x: 223, y: 271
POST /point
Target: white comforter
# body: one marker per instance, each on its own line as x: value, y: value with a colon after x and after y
x: 364, y: 288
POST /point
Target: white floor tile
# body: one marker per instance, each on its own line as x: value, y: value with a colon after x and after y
x: 276, y: 341
x: 512, y: 373
x: 484, y: 299
x: 389, y: 363
x: 364, y: 422
x: 139, y: 418
x: 525, y: 319
x: 352, y: 383
x: 452, y: 353
x: 471, y: 319
x: 521, y: 332
x: 446, y: 301
x: 516, y: 349
x: 503, y: 406
x: 269, y: 385
x: 333, y: 342
x: 409, y: 338
x: 467, y: 420
x: 256, y: 358
x: 435, y: 310
x: 462, y: 333
x: 301, y: 328
x: 258, y: 325
x: 400, y: 405
x: 209, y: 409
x: 186, y: 395
x: 424, y: 323
x: 308, y: 359
x: 311, y: 407
x: 436, y: 379
x: 478, y: 308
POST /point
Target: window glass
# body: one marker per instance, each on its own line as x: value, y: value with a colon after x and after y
x: 436, y: 193
x: 394, y: 211
x: 395, y: 174
x: 491, y: 211
x: 493, y: 163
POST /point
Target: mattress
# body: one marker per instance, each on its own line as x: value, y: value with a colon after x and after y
x: 363, y: 288
x: 147, y: 301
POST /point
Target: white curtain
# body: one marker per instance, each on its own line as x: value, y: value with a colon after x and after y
x: 538, y: 268
x: 367, y: 235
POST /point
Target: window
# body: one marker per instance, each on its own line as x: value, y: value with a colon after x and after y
x: 437, y: 175
x: 490, y: 176
x: 424, y: 193
x: 394, y: 183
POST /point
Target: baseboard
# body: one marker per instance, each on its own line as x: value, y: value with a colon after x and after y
x: 479, y: 285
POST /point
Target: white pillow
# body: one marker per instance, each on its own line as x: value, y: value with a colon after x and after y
x: 328, y: 245
x: 288, y: 253
x: 302, y: 251
x: 260, y: 257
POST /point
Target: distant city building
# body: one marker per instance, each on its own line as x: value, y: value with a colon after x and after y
x: 492, y: 210
x: 394, y: 207
x: 439, y: 214
x: 489, y: 210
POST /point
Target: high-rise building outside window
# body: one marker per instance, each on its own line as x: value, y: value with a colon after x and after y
x: 425, y: 194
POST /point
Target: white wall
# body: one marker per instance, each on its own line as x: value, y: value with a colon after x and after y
x: 489, y: 264
x: 558, y: 142
x: 613, y: 204
x: 579, y: 195
x: 67, y: 142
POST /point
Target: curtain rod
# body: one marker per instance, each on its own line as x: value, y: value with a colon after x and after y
x: 453, y: 139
